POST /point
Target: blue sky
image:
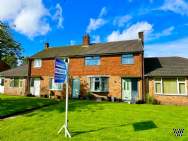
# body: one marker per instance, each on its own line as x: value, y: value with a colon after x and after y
x: 63, y: 22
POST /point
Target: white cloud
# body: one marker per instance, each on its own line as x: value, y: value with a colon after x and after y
x: 173, y: 48
x: 96, y: 39
x: 28, y: 17
x: 166, y: 32
x: 131, y: 32
x: 121, y: 20
x: 103, y: 12
x: 98, y: 22
x: 176, y: 6
x: 72, y: 42
x: 94, y: 24
x: 58, y: 16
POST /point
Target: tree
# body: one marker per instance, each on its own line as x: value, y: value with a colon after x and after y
x: 10, y: 50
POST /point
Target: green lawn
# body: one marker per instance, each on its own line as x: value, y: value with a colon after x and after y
x: 13, y: 104
x: 105, y: 121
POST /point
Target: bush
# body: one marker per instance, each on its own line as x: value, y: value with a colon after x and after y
x: 152, y: 100
x: 30, y: 95
x: 89, y: 95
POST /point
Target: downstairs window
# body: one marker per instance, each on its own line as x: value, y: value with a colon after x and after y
x: 170, y: 86
x: 55, y: 86
x: 99, y: 84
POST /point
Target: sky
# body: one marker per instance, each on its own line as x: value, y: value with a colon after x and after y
x: 64, y: 22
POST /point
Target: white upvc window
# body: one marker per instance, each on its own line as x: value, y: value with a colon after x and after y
x: 37, y: 63
x: 55, y: 86
x: 158, y: 86
x: 99, y: 84
x: 170, y: 86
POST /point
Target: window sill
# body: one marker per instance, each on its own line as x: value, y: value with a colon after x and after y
x: 36, y: 67
x: 172, y: 94
x: 127, y: 64
x: 99, y: 91
x: 55, y: 89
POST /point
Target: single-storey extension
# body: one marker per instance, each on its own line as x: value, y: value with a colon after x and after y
x: 167, y: 79
x: 14, y: 81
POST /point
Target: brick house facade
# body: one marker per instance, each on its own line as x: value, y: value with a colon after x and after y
x: 106, y: 78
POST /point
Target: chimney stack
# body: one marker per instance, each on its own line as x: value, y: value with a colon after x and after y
x: 141, y: 36
x: 86, y: 40
x: 46, y: 45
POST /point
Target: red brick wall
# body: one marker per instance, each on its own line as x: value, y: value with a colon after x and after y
x: 109, y: 65
x: 47, y: 68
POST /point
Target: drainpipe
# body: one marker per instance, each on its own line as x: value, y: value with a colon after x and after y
x: 141, y: 37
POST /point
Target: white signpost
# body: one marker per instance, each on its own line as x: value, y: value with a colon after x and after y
x: 61, y: 74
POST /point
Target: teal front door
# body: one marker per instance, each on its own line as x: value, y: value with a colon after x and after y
x: 126, y: 89
x: 75, y: 88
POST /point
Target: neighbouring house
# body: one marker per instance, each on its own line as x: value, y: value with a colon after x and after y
x: 3, y: 67
x: 113, y: 69
x: 167, y: 79
x: 14, y: 81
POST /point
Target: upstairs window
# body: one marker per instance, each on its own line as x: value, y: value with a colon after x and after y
x: 99, y: 84
x: 127, y: 59
x: 92, y: 61
x: 37, y: 63
x: 55, y: 86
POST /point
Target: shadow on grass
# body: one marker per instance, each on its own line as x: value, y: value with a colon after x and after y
x: 75, y: 133
x: 10, y: 106
x: 78, y: 106
x: 145, y: 125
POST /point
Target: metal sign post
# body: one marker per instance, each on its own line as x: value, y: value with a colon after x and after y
x: 61, y: 72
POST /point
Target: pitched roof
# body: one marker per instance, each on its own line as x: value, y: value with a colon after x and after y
x: 166, y: 66
x: 118, y: 47
x: 3, y: 66
x: 20, y: 71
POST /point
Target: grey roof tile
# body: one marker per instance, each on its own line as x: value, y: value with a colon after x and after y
x: 93, y: 49
x: 20, y: 71
x: 166, y: 66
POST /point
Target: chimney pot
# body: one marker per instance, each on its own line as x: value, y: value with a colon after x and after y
x: 86, y: 40
x: 141, y: 36
x: 46, y: 45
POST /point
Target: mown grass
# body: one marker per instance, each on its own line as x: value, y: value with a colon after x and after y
x: 105, y: 121
x: 10, y: 105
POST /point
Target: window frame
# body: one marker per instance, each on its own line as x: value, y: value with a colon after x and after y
x: 92, y: 84
x: 127, y: 56
x: 161, y: 83
x: 37, y: 65
x: 2, y: 82
x: 13, y: 81
x: 177, y: 86
x: 86, y: 59
x: 52, y: 88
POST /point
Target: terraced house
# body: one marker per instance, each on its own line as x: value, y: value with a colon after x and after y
x: 113, y: 69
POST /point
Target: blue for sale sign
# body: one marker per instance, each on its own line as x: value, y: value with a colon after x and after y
x: 60, y: 71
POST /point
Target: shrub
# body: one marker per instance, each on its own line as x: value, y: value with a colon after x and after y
x: 151, y: 100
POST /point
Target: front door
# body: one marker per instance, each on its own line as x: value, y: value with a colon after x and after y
x: 126, y: 89
x: 36, y: 90
x: 1, y: 85
x: 75, y: 88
